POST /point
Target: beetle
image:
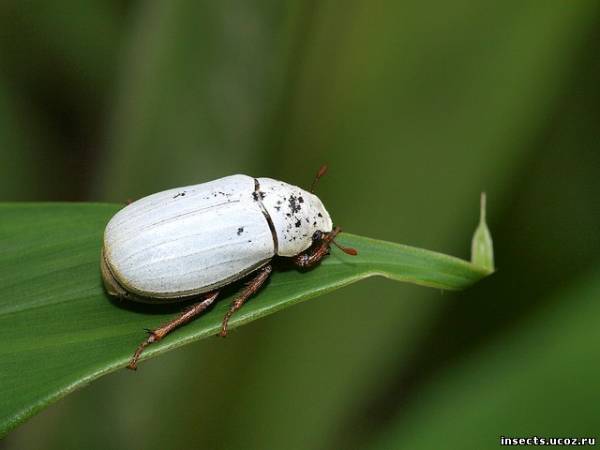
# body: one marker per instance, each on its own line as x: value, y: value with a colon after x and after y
x: 187, y: 243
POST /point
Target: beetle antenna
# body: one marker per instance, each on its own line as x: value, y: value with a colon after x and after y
x: 322, y: 171
x: 347, y: 250
x: 331, y: 238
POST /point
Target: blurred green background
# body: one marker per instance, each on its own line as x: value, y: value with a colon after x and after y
x: 417, y: 107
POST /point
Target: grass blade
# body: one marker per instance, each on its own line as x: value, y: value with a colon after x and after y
x: 59, y: 330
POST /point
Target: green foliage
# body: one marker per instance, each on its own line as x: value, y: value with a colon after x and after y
x: 60, y: 330
x: 496, y: 391
x: 416, y: 110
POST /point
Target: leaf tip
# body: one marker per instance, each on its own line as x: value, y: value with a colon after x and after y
x: 482, y: 247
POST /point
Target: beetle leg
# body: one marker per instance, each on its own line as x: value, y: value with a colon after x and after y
x: 185, y: 317
x: 312, y: 256
x: 251, y: 287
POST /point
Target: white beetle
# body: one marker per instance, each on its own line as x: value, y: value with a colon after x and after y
x: 189, y: 242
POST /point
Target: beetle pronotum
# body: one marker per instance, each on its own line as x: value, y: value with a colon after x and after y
x: 187, y: 243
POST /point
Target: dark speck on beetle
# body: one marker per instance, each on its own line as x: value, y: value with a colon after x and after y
x: 240, y: 231
x: 300, y: 199
x: 294, y: 205
x: 297, y: 224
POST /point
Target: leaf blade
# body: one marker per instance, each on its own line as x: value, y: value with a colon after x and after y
x: 59, y: 330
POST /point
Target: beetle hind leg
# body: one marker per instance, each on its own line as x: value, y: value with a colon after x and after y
x: 185, y: 317
x: 251, y: 287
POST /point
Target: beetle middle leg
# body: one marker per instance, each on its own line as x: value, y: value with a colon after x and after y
x: 251, y: 287
x: 185, y: 317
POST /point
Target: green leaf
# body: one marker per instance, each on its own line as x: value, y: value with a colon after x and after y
x: 60, y: 330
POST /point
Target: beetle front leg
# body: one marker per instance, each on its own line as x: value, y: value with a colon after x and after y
x: 312, y: 256
x: 251, y: 287
x: 185, y: 317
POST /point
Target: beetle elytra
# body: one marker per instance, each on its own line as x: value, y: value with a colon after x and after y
x: 187, y: 243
